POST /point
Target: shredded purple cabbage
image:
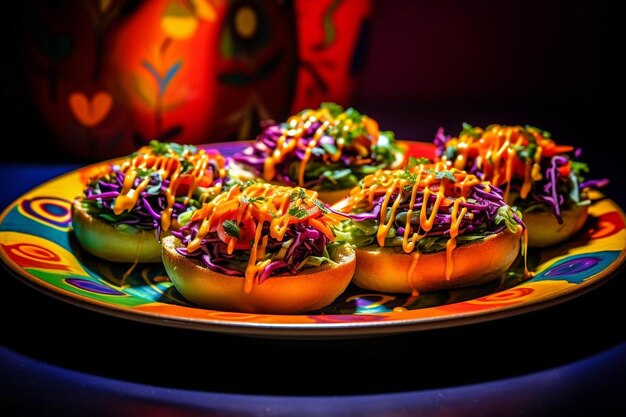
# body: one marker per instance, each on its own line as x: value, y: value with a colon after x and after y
x: 373, y: 214
x: 440, y: 141
x: 554, y: 191
x: 482, y: 213
x: 320, y: 172
x: 146, y: 214
x: 551, y: 194
x: 305, y: 241
x: 255, y: 155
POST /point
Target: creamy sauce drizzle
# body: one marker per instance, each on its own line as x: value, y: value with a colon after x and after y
x: 494, y: 151
x: 292, y: 140
x: 259, y: 204
x: 170, y: 168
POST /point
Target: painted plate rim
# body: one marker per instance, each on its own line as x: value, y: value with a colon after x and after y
x: 291, y: 326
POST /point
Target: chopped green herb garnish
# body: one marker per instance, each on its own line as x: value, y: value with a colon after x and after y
x: 143, y: 172
x: 413, y: 162
x: 409, y: 176
x: 249, y: 200
x: 246, y: 184
x: 297, y: 212
x: 470, y: 130
x: 321, y: 206
x: 579, y: 167
x: 333, y: 108
x: 164, y: 148
x: 542, y: 132
x: 231, y: 228
x: 297, y: 193
x: 329, y: 148
x: 442, y: 174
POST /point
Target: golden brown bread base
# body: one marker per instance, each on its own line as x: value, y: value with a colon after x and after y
x: 311, y: 289
x: 105, y: 241
x: 387, y: 269
x: 544, y: 230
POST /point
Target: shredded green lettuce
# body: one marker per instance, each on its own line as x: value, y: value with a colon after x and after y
x: 363, y: 233
x: 185, y: 217
x: 505, y: 214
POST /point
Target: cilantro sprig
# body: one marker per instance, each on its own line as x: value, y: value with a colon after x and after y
x: 442, y: 174
x: 298, y: 193
x: 470, y: 130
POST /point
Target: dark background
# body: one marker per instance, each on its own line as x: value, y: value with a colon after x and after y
x: 491, y: 51
x: 552, y: 53
x: 552, y: 64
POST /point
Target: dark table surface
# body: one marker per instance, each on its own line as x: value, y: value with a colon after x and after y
x: 567, y: 359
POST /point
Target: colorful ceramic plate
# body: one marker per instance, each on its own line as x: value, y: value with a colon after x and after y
x: 37, y: 243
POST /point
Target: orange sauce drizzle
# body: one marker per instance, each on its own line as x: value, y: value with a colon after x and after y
x: 425, y: 179
x: 170, y: 168
x: 291, y: 140
x: 456, y: 218
x: 260, y: 203
x: 494, y: 152
x: 413, y: 271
